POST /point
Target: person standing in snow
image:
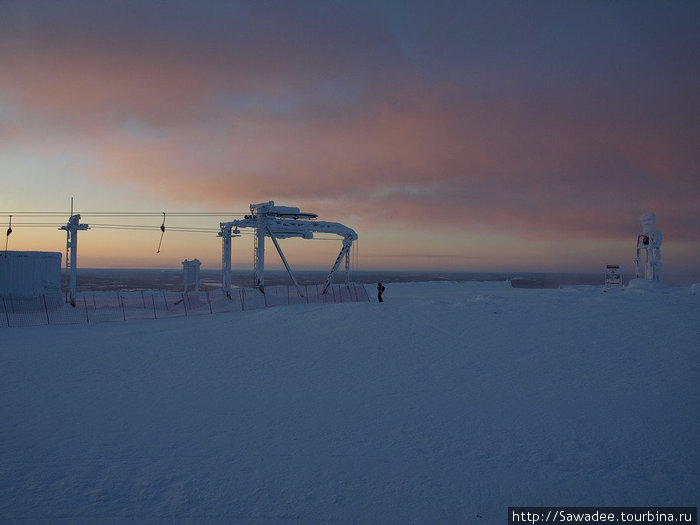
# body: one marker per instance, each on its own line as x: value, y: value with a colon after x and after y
x: 380, y: 291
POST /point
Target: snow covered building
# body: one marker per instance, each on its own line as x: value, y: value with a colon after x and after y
x: 191, y: 274
x: 29, y: 274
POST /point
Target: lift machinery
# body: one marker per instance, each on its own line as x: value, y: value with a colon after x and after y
x: 281, y: 222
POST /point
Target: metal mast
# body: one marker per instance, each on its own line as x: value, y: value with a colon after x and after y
x: 72, y: 228
x: 259, y: 211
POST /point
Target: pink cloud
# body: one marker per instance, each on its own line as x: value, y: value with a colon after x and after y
x: 319, y: 114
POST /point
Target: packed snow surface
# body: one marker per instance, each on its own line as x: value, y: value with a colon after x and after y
x: 445, y: 404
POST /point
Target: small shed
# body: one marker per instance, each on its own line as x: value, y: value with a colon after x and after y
x: 190, y: 274
x: 30, y: 274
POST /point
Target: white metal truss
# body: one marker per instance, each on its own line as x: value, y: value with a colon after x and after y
x: 281, y: 222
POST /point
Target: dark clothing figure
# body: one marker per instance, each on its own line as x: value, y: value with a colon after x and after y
x: 380, y: 291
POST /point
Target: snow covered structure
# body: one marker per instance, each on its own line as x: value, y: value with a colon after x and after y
x: 190, y: 274
x: 647, y: 263
x: 613, y: 277
x: 72, y: 228
x: 30, y: 274
x: 281, y: 222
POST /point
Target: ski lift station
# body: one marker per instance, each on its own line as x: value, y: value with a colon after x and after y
x: 30, y: 274
x: 281, y: 222
x: 39, y: 273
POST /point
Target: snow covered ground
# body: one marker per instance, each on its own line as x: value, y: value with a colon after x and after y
x: 444, y: 405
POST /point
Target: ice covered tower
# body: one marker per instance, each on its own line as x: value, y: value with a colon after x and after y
x: 72, y: 229
x: 647, y: 263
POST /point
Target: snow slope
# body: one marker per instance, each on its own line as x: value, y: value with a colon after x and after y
x: 445, y: 404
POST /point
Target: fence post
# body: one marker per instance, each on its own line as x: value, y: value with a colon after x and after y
x: 121, y: 301
x: 7, y: 316
x: 165, y: 301
x: 46, y: 309
x: 209, y: 301
x: 87, y: 317
x: 153, y: 300
x: 184, y: 303
x: 242, y: 296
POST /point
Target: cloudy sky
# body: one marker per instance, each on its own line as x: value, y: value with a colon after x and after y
x: 465, y: 135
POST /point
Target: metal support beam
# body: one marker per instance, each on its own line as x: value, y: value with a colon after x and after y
x: 225, y: 235
x: 344, y: 252
x: 260, y: 251
x: 347, y: 267
x: 284, y: 260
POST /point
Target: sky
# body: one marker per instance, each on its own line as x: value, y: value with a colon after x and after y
x: 465, y: 135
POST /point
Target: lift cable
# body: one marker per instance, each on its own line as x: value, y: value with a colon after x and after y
x: 123, y: 214
x: 35, y: 224
x: 144, y: 227
x: 137, y: 227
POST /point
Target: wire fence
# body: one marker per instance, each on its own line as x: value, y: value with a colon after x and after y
x: 101, y: 307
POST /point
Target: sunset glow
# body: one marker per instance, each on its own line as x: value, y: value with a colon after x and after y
x: 450, y: 135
